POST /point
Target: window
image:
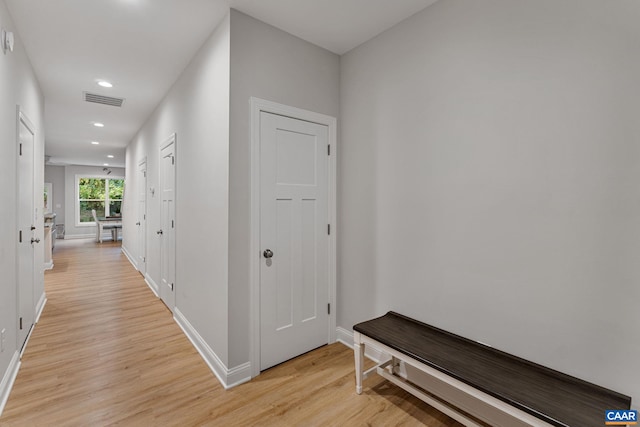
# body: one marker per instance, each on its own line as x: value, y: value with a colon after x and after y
x: 102, y: 194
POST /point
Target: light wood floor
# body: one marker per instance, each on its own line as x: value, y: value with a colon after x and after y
x: 107, y: 352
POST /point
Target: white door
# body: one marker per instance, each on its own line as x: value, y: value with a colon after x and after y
x: 168, y: 223
x: 141, y: 223
x: 27, y: 242
x: 294, y: 272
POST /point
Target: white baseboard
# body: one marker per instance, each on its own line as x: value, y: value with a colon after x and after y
x: 79, y: 236
x: 227, y: 377
x: 8, y: 379
x: 48, y: 265
x: 346, y: 337
x: 40, y: 306
x: 106, y: 236
x: 152, y: 285
x: 238, y: 375
x: 130, y: 257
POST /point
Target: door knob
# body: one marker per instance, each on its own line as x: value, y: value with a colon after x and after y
x: 35, y: 240
x: 137, y: 223
x: 33, y: 227
x: 159, y: 232
x: 267, y: 253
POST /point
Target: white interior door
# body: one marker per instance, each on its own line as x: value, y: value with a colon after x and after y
x: 27, y: 242
x: 141, y: 223
x: 168, y: 223
x: 294, y: 218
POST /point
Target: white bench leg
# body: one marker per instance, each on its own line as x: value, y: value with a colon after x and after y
x: 395, y: 365
x: 358, y: 349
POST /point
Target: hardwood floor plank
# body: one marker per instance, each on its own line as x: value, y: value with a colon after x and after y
x: 107, y: 352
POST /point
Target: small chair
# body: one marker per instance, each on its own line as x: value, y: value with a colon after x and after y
x: 100, y: 226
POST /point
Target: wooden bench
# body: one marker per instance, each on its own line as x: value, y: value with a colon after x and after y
x: 474, y: 383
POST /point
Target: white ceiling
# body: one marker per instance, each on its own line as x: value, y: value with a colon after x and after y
x: 142, y: 46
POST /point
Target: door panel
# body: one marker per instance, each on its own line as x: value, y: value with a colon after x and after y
x: 167, y: 221
x: 26, y: 228
x: 284, y: 269
x: 309, y: 261
x: 296, y: 160
x: 294, y: 282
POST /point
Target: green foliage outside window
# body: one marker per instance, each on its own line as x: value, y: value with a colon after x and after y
x: 102, y: 194
x: 116, y: 186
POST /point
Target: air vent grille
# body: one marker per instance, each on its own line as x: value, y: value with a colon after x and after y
x: 101, y: 99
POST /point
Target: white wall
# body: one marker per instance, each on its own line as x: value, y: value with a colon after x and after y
x: 70, y: 172
x: 270, y: 64
x: 55, y: 175
x: 18, y: 86
x: 208, y: 108
x: 490, y: 183
x: 197, y: 110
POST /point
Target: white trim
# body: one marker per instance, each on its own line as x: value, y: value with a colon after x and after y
x: 40, y: 306
x: 257, y: 106
x: 151, y: 284
x: 238, y: 375
x: 106, y: 236
x: 79, y: 236
x: 48, y: 265
x: 346, y: 337
x: 9, y: 378
x: 126, y: 253
x: 137, y: 204
x: 227, y: 377
x: 76, y: 193
x: 26, y: 341
x: 22, y: 118
x: 172, y: 140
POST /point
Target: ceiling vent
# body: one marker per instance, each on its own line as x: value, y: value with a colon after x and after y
x: 101, y: 99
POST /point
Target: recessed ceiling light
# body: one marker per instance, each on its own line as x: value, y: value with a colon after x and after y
x: 110, y: 156
x: 95, y: 142
x: 105, y: 83
x: 105, y: 164
x: 98, y: 125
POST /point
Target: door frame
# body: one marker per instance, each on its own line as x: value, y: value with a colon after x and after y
x: 23, y: 119
x: 146, y: 201
x: 258, y: 106
x: 173, y: 139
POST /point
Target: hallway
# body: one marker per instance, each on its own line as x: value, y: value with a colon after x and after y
x: 107, y: 351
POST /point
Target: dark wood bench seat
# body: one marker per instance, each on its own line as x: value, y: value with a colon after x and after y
x: 550, y: 396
